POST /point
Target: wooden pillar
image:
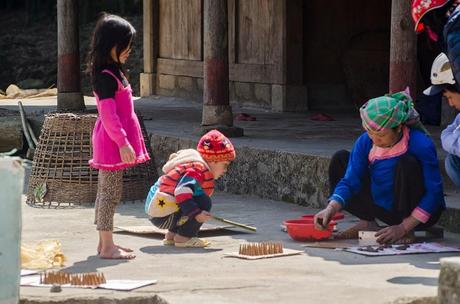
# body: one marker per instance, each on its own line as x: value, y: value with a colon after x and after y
x: 403, y: 48
x: 150, y: 45
x: 70, y: 97
x: 217, y: 112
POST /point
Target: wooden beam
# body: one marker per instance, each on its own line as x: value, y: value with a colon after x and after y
x: 403, y: 48
x: 216, y: 52
x: 150, y: 36
x: 217, y: 112
x: 68, y: 84
x: 216, y: 104
x: 150, y: 47
x: 258, y: 73
x: 192, y: 68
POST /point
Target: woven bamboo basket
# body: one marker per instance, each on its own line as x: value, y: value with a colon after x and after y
x: 61, y: 175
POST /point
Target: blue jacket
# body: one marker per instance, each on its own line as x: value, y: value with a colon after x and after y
x: 451, y: 43
x: 450, y: 137
x: 382, y: 174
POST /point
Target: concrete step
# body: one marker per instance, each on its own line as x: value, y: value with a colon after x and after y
x: 451, y: 217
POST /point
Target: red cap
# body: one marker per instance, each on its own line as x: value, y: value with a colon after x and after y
x: 215, y: 147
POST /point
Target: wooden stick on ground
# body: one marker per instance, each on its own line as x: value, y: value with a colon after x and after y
x: 247, y: 227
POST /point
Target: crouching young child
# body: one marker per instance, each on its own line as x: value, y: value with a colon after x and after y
x: 180, y: 200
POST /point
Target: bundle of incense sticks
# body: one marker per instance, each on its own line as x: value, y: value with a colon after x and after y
x: 77, y: 279
x: 264, y: 248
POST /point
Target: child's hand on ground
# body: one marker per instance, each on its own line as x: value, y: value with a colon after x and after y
x: 203, y: 216
x: 127, y: 154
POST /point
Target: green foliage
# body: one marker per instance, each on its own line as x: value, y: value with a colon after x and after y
x: 40, y: 192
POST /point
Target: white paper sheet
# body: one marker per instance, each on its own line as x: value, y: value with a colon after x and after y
x: 126, y: 285
x: 26, y: 272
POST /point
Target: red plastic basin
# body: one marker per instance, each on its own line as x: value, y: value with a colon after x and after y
x: 336, y: 217
x: 304, y: 230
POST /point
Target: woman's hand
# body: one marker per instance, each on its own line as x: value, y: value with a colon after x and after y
x: 323, y: 217
x: 127, y: 154
x: 394, y: 233
x: 390, y: 234
x: 203, y: 216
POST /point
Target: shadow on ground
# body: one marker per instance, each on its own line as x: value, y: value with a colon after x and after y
x: 406, y: 280
x: 92, y: 264
x: 174, y: 250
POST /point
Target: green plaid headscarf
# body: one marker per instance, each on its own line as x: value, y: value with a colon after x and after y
x: 390, y: 111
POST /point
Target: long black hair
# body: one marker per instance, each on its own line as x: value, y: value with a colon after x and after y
x: 111, y: 31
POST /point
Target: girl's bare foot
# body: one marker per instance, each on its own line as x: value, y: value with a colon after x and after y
x: 115, y: 253
x: 125, y: 249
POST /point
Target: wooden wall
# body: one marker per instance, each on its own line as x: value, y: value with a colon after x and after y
x: 255, y: 39
x: 180, y: 29
x: 256, y: 35
x: 340, y: 52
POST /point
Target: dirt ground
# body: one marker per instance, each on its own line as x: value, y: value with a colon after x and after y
x: 29, y: 53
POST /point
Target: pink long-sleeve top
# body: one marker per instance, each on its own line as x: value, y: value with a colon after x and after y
x: 117, y: 125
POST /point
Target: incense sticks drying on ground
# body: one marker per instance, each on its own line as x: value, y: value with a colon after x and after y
x: 76, y: 279
x: 264, y: 248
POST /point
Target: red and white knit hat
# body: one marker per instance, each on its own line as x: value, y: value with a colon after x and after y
x: 215, y: 147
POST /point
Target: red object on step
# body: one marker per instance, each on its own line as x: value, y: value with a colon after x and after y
x: 245, y: 117
x: 338, y: 216
x: 303, y: 230
x: 322, y: 117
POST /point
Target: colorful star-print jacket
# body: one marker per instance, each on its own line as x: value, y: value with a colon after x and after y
x: 186, y: 176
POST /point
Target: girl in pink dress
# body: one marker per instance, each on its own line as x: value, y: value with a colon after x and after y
x: 117, y: 138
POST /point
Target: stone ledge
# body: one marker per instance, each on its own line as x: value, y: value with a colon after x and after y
x: 11, y: 136
x: 413, y: 300
x: 276, y: 175
x: 449, y: 281
x: 117, y: 299
x: 448, y: 285
x: 450, y: 219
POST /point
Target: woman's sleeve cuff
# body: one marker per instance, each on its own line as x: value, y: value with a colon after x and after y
x: 338, y: 199
x: 421, y: 215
